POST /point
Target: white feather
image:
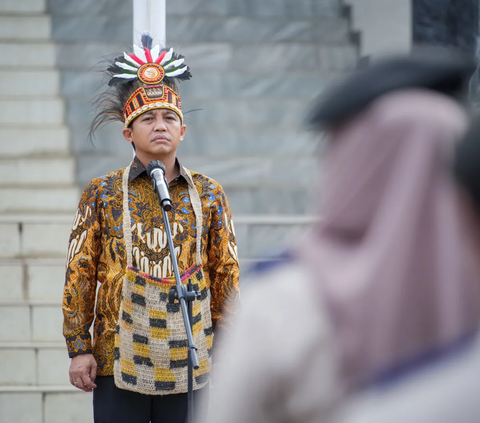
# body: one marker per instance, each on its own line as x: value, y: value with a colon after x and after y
x: 130, y: 60
x: 175, y: 63
x: 140, y: 53
x: 177, y: 72
x: 125, y: 76
x: 126, y: 67
x: 154, y: 52
x: 167, y: 57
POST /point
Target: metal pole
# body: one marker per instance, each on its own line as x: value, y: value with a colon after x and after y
x: 149, y: 15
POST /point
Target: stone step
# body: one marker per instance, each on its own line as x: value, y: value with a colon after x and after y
x: 230, y: 171
x: 220, y: 112
x: 234, y: 84
x: 272, y: 198
x: 266, y: 8
x: 49, y: 111
x: 24, y: 321
x: 27, y: 55
x: 201, y: 29
x: 45, y: 240
x: 212, y: 142
x: 23, y: 6
x: 44, y: 236
x: 34, y: 364
x: 35, y: 280
x: 29, y: 83
x: 56, y: 404
x: 34, y: 200
x: 35, y: 141
x: 16, y: 28
x: 278, y: 57
x: 54, y: 171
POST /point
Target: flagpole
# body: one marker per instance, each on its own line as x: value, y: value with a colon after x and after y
x: 149, y: 15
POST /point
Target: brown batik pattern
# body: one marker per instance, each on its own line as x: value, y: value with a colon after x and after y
x: 97, y: 253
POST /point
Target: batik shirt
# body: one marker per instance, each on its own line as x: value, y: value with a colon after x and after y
x: 96, y: 253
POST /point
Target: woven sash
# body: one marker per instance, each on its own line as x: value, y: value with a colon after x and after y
x: 150, y: 340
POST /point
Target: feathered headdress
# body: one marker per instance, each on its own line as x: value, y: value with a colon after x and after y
x: 150, y: 65
x: 141, y: 81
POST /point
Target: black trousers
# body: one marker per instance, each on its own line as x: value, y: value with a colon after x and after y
x: 114, y: 405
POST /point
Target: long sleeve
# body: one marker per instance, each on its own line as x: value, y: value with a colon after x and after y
x: 81, y: 274
x: 222, y: 263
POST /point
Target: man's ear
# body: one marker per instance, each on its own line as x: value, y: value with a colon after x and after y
x: 182, y: 132
x: 128, y: 134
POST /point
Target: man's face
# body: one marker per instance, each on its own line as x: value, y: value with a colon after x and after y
x: 156, y: 134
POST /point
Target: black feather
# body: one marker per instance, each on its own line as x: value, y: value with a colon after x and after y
x: 147, y: 40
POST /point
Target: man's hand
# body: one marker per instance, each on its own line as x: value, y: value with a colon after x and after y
x: 83, y: 371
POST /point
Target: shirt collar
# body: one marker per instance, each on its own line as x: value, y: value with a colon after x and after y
x: 137, y: 169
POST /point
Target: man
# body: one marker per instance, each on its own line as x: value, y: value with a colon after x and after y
x: 137, y: 363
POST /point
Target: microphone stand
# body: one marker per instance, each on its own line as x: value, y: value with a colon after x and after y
x: 185, y: 295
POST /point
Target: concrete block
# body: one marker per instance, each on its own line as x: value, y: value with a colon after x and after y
x: 236, y: 29
x: 14, y: 323
x: 248, y: 172
x: 90, y: 166
x: 90, y: 7
x: 199, y: 7
x: 79, y: 83
x: 13, y: 407
x: 107, y: 139
x: 274, y: 57
x: 326, y: 8
x: 53, y: 365
x: 92, y: 28
x: 29, y: 84
x: 24, y: 27
x: 72, y: 407
x: 45, y: 282
x: 47, y: 323
x: 79, y: 111
x: 16, y: 55
x: 338, y: 58
x: 35, y: 141
x: 298, y: 8
x: 9, y: 239
x: 238, y: 113
x: 41, y: 171
x: 45, y: 111
x: 269, y: 200
x: 264, y: 8
x: 270, y: 141
x: 265, y: 239
x: 24, y: 6
x: 39, y: 200
x: 277, y: 85
x: 331, y: 31
x: 17, y: 367
x: 88, y: 56
x: 209, y: 56
x: 11, y: 282
x: 45, y: 240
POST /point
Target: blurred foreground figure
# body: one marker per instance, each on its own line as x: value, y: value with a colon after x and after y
x: 385, y: 284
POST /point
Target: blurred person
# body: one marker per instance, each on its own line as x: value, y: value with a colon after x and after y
x: 137, y: 363
x: 384, y: 282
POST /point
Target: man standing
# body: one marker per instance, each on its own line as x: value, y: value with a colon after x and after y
x: 137, y: 363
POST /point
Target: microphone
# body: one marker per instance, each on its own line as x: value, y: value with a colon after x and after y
x: 156, y: 171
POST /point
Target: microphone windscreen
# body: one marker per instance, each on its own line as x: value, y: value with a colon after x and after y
x: 155, y: 164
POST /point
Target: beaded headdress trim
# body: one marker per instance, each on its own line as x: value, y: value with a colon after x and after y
x: 155, y: 68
